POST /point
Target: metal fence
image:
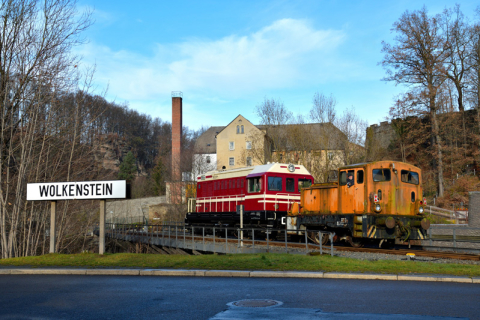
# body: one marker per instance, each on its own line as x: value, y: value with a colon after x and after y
x: 213, y: 239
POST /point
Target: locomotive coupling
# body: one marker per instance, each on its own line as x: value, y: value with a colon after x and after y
x: 388, y: 222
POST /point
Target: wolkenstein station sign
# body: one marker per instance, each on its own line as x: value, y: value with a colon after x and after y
x: 115, y: 189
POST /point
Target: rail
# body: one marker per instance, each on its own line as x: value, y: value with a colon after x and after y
x: 457, y: 215
x: 188, y: 237
x: 454, y: 237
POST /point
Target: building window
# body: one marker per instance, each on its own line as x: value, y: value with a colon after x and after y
x: 231, y: 161
x: 238, y: 129
x: 249, y: 161
x: 249, y: 145
x: 330, y: 155
x: 242, y: 128
x: 208, y: 159
x: 231, y: 145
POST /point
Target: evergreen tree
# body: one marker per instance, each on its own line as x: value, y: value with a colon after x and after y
x: 158, y: 176
x: 128, y: 168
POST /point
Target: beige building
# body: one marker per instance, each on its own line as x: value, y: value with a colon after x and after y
x: 236, y: 142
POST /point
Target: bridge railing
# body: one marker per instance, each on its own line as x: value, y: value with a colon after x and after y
x: 220, y: 239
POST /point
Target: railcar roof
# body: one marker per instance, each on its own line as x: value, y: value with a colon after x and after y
x: 363, y: 164
x: 252, y: 171
x: 277, y: 167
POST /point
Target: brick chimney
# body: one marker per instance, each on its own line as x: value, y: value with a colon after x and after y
x: 177, y: 97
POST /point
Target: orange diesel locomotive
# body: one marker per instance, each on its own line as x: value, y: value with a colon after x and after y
x: 374, y: 201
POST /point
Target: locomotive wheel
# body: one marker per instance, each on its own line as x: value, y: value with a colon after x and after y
x: 314, y: 237
x: 356, y: 243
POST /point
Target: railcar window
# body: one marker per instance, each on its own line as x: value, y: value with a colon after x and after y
x: 360, y: 176
x: 343, y: 178
x: 304, y: 183
x: 274, y: 184
x: 413, y: 196
x: 290, y: 187
x: 254, y: 184
x: 381, y: 175
x: 409, y: 177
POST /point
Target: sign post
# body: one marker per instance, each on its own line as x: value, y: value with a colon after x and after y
x: 101, y: 240
x: 53, y: 216
x: 84, y: 190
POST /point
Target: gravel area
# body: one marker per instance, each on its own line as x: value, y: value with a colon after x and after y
x: 382, y: 256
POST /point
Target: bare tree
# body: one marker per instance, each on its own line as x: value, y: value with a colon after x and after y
x: 35, y: 66
x: 417, y: 61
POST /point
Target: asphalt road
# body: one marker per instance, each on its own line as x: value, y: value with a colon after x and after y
x: 125, y: 297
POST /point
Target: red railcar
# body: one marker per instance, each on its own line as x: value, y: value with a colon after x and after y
x: 267, y: 193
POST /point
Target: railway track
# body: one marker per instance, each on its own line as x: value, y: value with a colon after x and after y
x: 311, y: 246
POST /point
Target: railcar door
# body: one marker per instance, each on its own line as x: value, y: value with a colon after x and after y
x: 346, y: 191
x: 352, y: 191
x: 359, y: 198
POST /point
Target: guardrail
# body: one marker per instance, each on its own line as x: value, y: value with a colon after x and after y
x: 454, y: 237
x: 169, y: 235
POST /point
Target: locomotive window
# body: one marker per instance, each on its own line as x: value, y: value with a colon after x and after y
x: 381, y: 175
x: 274, y: 184
x: 304, y: 183
x: 343, y: 178
x: 290, y: 187
x: 254, y: 184
x: 409, y: 177
x: 360, y: 176
x: 413, y: 196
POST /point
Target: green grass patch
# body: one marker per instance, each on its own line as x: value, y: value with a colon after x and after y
x: 267, y: 261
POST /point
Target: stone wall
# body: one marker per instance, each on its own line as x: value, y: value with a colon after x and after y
x: 132, y: 211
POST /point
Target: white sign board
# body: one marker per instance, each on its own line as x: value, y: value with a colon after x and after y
x: 115, y: 189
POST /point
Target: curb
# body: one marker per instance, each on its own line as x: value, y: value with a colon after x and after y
x: 237, y: 273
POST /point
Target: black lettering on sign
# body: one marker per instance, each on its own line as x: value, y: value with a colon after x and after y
x: 58, y: 194
x: 92, y: 185
x: 43, y: 191
x: 98, y: 189
x: 85, y: 189
x: 79, y: 190
x: 109, y: 188
x: 71, y: 189
x: 52, y: 191
x: 64, y: 190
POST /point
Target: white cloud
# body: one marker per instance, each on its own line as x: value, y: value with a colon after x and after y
x: 285, y: 54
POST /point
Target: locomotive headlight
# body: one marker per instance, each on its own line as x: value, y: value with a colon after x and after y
x: 378, y: 208
x: 420, y: 210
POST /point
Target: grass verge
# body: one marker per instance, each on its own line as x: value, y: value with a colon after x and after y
x: 278, y: 262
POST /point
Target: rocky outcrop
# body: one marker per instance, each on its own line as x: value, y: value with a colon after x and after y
x: 110, y: 150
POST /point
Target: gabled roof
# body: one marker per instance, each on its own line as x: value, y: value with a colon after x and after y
x: 206, y: 143
x: 236, y: 119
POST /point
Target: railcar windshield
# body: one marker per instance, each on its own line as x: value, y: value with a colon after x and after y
x: 254, y: 184
x: 410, y: 177
x: 304, y: 183
x: 381, y: 175
x: 274, y: 184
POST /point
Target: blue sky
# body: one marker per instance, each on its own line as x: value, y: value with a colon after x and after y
x: 227, y: 56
